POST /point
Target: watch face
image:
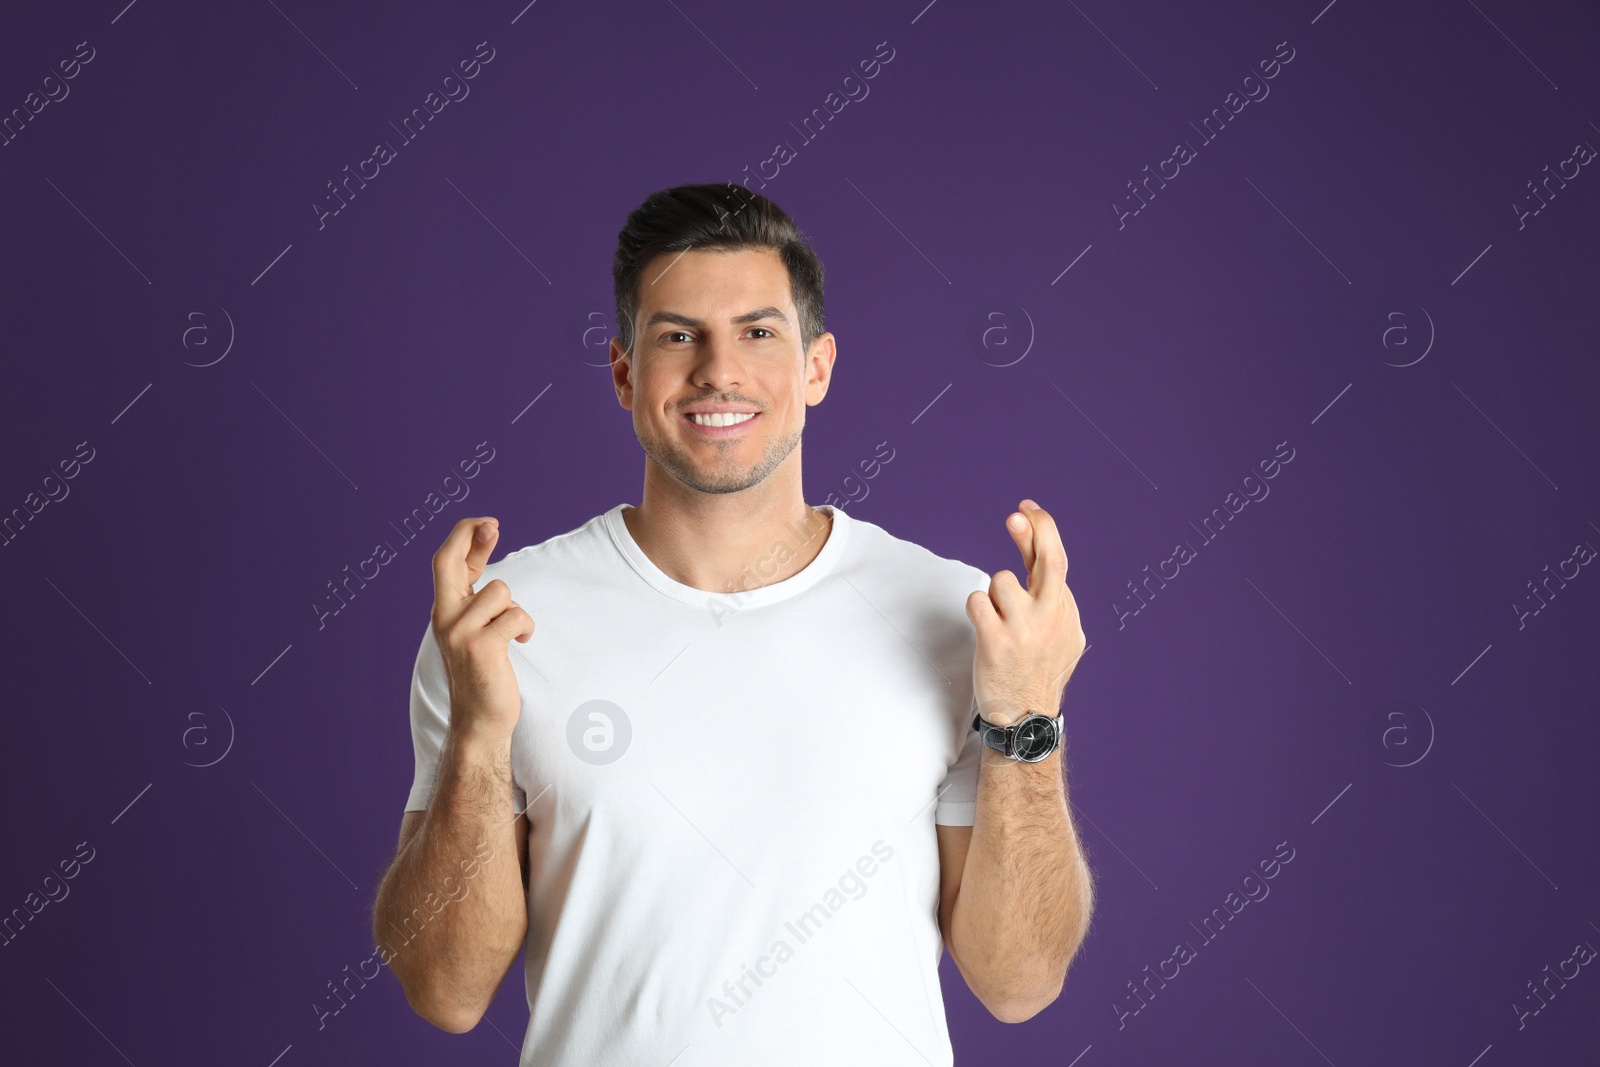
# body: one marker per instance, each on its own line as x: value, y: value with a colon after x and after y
x: 1035, y: 739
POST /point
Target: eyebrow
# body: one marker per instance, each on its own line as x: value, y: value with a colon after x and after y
x: 748, y: 317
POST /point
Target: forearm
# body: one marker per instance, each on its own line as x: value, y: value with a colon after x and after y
x: 1025, y: 897
x: 452, y: 906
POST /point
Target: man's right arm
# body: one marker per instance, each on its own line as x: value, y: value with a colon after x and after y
x: 451, y: 961
x: 453, y: 904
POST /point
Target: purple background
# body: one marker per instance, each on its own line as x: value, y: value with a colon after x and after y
x: 1359, y: 617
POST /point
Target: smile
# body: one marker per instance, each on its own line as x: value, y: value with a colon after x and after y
x: 721, y: 424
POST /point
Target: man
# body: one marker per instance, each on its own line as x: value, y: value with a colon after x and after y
x: 729, y: 791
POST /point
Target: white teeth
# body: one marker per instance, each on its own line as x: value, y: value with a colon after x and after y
x: 722, y: 418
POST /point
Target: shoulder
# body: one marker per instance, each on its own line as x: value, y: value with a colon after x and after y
x: 916, y: 561
x: 562, y: 553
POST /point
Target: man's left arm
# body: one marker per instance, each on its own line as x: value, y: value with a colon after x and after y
x: 1016, y: 893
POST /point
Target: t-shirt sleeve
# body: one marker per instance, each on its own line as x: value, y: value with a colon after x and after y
x: 430, y: 718
x: 430, y: 723
x: 958, y: 793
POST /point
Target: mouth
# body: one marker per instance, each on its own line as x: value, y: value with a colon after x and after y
x: 711, y: 430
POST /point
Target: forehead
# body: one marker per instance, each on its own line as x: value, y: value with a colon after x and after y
x: 714, y: 280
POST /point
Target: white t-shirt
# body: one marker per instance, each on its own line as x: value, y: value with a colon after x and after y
x: 732, y: 857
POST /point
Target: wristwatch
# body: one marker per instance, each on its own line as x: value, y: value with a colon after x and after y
x: 1029, y: 739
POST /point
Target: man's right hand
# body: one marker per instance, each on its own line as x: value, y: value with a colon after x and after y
x: 474, y: 632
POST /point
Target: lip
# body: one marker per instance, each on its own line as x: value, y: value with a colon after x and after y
x: 721, y: 431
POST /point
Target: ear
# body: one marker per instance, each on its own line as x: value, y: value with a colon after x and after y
x: 622, y: 373
x: 819, y: 368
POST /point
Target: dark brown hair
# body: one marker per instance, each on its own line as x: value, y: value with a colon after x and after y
x: 725, y: 216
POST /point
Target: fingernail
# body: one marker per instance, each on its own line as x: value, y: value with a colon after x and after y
x: 1030, y: 504
x: 1017, y: 522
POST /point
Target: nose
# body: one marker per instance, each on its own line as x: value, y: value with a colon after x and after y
x: 721, y: 365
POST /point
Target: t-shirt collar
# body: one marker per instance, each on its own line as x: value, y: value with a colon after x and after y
x: 788, y: 544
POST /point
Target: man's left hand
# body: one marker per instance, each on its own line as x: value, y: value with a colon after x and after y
x: 1028, y: 640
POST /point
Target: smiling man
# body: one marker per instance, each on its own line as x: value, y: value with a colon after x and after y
x: 734, y: 770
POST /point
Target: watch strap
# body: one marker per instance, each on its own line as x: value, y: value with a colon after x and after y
x: 998, y: 738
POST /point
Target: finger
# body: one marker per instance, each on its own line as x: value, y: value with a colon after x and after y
x: 980, y: 610
x: 474, y: 613
x: 1050, y: 553
x: 514, y: 623
x: 483, y: 542
x: 491, y: 600
x: 453, y: 572
x: 1007, y: 594
x: 492, y: 609
x: 1021, y: 531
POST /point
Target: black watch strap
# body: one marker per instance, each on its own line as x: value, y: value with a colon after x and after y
x: 995, y: 737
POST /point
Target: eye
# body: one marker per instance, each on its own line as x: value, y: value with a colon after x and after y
x: 764, y: 330
x: 672, y: 334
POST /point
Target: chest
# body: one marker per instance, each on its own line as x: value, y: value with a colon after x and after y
x: 787, y: 726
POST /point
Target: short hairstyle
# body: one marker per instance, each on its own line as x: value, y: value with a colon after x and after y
x: 717, y: 216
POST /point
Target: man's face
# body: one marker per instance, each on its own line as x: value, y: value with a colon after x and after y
x: 718, y: 330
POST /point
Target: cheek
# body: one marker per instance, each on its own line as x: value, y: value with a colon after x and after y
x: 785, y: 386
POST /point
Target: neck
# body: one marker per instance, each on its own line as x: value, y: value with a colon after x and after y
x: 727, y: 542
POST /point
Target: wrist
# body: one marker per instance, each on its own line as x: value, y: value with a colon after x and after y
x: 479, y: 744
x: 1008, y: 711
x: 995, y: 759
